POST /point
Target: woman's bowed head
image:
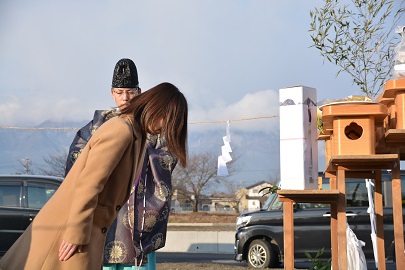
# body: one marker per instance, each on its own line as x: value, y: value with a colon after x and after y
x: 163, y: 109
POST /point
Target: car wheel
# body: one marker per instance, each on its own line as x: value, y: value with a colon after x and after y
x: 261, y: 255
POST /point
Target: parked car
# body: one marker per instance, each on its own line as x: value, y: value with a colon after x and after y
x: 21, y: 198
x: 259, y: 235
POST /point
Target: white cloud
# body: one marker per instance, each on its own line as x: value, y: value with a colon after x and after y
x: 253, y: 112
x: 8, y: 110
x: 32, y: 111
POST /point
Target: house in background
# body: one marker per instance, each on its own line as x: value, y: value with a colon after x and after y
x: 244, y: 199
x: 250, y: 198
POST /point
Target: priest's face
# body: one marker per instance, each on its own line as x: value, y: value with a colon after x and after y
x: 122, y: 96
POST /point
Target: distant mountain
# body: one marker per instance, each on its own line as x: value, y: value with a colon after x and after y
x: 257, y: 152
x: 65, y: 124
x: 18, y: 144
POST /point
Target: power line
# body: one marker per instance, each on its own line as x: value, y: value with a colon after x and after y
x: 37, y: 128
x: 234, y: 120
x: 11, y: 161
x: 190, y: 123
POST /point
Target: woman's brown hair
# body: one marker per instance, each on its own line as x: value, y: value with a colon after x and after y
x: 163, y: 101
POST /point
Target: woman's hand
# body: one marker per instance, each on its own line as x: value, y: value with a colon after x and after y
x: 66, y: 250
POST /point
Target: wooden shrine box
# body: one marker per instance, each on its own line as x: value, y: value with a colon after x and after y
x: 390, y: 121
x: 351, y: 127
x: 393, y: 131
x: 393, y: 97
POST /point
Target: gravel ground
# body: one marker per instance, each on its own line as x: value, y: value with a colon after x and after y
x: 197, y: 266
x: 220, y: 266
x: 202, y: 261
x: 211, y: 227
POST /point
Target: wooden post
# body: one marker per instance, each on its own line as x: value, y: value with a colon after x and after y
x: 333, y: 228
x: 379, y: 220
x: 398, y: 220
x: 288, y: 212
x: 341, y: 218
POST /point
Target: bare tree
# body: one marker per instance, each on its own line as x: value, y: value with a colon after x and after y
x: 237, y: 191
x: 274, y: 178
x: 197, y: 177
x: 55, y: 163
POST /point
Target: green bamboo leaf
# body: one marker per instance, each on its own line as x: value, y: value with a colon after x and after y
x: 358, y: 39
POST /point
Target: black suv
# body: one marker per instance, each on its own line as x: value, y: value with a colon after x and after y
x: 21, y: 198
x: 259, y: 235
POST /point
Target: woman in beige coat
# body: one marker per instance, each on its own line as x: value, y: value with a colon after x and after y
x: 69, y: 231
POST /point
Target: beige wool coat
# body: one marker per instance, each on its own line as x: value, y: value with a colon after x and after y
x: 86, y: 203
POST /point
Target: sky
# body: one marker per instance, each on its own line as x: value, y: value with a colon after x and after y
x: 228, y: 57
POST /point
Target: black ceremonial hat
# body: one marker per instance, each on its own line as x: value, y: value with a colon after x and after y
x: 125, y: 74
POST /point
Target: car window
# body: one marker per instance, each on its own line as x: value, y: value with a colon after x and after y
x: 356, y: 194
x: 356, y: 191
x: 269, y: 200
x: 39, y: 194
x: 313, y: 205
x: 388, y: 188
x: 276, y: 204
x: 10, y: 194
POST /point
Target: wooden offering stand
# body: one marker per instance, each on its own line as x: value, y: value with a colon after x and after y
x: 350, y: 140
x: 393, y: 141
x: 289, y: 197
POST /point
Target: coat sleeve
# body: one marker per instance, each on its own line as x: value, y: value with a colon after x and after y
x: 105, y: 150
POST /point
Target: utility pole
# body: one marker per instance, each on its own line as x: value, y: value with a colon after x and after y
x: 26, y: 163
